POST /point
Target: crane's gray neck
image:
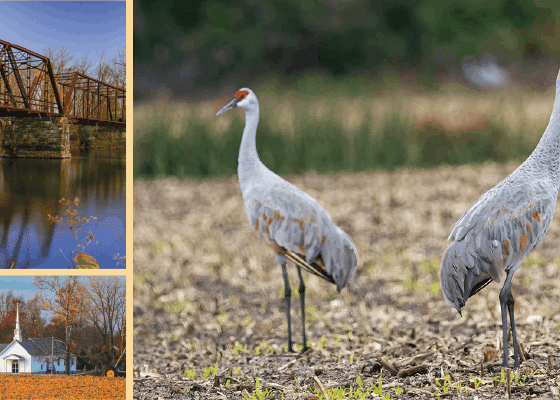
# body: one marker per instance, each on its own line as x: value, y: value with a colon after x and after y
x: 248, y: 161
x: 547, y: 152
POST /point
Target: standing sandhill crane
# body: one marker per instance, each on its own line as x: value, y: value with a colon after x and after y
x: 292, y: 222
x: 502, y: 226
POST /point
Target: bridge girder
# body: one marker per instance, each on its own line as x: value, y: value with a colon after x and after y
x: 29, y: 87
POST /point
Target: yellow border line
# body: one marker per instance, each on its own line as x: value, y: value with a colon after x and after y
x: 129, y: 201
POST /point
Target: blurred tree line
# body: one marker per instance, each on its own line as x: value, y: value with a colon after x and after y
x: 197, y: 44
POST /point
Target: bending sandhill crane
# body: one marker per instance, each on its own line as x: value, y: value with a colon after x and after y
x: 502, y: 226
x: 293, y: 223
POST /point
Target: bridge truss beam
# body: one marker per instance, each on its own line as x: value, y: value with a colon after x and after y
x: 87, y: 99
x: 28, y: 87
x: 27, y: 83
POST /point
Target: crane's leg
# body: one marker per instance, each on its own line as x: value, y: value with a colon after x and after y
x: 511, y: 303
x: 288, y: 295
x: 301, y: 290
x: 507, y: 301
x: 504, y: 330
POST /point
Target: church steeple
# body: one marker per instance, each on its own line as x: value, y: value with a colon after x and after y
x: 17, y: 331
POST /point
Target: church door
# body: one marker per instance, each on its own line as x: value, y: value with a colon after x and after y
x: 15, y: 366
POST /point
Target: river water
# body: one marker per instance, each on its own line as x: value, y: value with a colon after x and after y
x: 30, y: 190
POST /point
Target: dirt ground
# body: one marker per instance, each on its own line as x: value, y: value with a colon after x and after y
x: 209, y: 307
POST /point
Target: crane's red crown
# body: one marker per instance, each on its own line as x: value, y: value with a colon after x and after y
x: 241, y: 94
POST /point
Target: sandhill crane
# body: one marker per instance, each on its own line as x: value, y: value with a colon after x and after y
x: 502, y: 226
x: 292, y: 222
x: 486, y: 74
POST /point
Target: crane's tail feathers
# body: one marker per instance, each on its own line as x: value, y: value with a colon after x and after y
x: 340, y: 258
x: 463, y: 275
x: 317, y: 267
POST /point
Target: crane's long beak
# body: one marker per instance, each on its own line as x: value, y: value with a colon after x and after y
x: 229, y: 106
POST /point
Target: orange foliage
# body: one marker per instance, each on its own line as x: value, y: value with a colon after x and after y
x: 460, y: 124
x: 61, y: 387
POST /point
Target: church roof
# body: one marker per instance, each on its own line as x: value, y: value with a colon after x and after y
x: 32, y: 348
x: 43, y: 346
x: 40, y: 347
x: 14, y: 357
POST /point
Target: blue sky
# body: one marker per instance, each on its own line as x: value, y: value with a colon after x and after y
x: 84, y: 27
x: 21, y: 285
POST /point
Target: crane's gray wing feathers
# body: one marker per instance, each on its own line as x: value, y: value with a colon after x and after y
x: 340, y: 257
x: 293, y: 222
x: 493, y: 236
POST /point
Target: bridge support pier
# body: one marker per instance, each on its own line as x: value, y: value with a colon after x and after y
x: 100, y: 135
x: 29, y: 137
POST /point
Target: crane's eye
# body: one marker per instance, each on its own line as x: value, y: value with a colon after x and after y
x: 241, y: 94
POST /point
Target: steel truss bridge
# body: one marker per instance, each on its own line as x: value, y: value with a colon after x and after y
x: 29, y: 88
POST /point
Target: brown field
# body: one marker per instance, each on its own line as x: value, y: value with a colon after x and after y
x: 207, y: 292
x: 56, y: 387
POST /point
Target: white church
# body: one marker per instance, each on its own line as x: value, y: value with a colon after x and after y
x: 33, y: 356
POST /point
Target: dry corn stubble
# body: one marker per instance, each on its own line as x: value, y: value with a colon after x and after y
x: 208, y: 291
x: 38, y: 387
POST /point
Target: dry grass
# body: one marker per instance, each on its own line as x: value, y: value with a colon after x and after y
x: 208, y: 291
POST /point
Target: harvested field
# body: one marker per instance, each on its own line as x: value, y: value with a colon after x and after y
x: 210, y: 314
x: 57, y: 387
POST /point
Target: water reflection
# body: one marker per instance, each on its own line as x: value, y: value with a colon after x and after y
x: 30, y: 189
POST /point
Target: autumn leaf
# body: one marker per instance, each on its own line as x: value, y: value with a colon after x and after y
x: 85, y: 261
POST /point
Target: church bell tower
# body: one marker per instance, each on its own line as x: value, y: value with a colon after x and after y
x: 17, y: 331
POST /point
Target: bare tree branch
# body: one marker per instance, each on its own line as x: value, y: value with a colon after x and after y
x: 106, y: 306
x: 61, y: 59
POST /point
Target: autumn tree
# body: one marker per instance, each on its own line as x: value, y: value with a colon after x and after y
x: 32, y: 324
x: 102, y: 70
x: 83, y: 65
x: 56, y: 327
x: 105, y: 307
x: 8, y: 324
x: 65, y: 302
x: 7, y: 299
x: 119, y: 68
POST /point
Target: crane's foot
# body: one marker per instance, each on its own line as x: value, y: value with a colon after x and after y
x: 505, y: 359
x: 290, y: 347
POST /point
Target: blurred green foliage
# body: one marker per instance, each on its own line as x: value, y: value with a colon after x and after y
x: 200, y: 153
x: 203, y: 41
x: 193, y: 146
